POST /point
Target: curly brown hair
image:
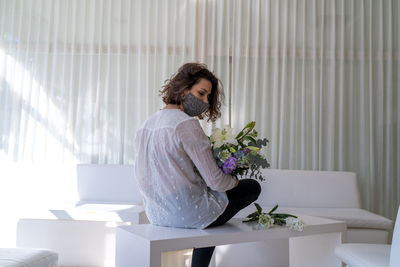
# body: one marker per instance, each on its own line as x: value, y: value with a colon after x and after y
x: 187, y: 76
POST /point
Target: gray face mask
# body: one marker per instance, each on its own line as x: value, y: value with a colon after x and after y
x: 193, y: 106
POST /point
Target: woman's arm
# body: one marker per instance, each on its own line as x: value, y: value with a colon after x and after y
x: 197, y: 145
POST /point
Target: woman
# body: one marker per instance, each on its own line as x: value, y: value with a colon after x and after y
x: 171, y: 143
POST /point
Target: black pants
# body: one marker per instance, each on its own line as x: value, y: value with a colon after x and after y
x: 246, y: 192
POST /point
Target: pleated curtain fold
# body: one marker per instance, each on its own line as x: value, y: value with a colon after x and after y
x: 321, y: 78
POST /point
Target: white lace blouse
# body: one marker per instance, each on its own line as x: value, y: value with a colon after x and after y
x: 168, y: 146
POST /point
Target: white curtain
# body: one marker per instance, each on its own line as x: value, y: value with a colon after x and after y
x: 322, y: 80
x: 320, y: 77
x: 79, y: 77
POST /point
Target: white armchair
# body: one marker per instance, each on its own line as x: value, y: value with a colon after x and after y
x: 372, y: 255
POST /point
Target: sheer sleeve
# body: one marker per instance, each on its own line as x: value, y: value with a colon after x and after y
x: 197, y: 145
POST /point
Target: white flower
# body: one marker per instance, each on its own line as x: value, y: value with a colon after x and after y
x: 223, y: 136
x: 294, y: 224
x: 223, y: 155
x: 265, y: 220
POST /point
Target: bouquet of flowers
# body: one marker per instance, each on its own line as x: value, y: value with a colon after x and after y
x: 239, y: 155
x: 266, y: 220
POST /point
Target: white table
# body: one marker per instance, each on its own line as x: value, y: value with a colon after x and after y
x: 142, y: 245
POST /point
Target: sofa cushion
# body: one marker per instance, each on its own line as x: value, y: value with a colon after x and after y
x: 101, y: 212
x: 316, y: 189
x: 107, y: 184
x: 354, y: 217
x: 367, y: 235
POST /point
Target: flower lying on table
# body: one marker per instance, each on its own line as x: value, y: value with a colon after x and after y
x: 239, y: 155
x: 266, y: 220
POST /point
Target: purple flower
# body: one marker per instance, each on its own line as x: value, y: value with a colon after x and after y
x: 229, y: 165
x: 246, y: 150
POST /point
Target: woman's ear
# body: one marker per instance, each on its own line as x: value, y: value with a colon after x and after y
x: 182, y: 95
x: 185, y: 92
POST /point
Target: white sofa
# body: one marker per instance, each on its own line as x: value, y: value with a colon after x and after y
x: 333, y: 195
x: 83, y: 233
x: 330, y: 194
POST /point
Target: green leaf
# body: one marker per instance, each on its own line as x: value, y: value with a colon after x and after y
x: 250, y: 220
x: 250, y: 125
x: 273, y: 209
x: 239, y: 135
x: 252, y: 214
x: 245, y: 130
x: 251, y: 139
x: 258, y: 207
x: 284, y: 215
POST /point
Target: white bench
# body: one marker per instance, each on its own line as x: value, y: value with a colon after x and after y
x: 143, y: 245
